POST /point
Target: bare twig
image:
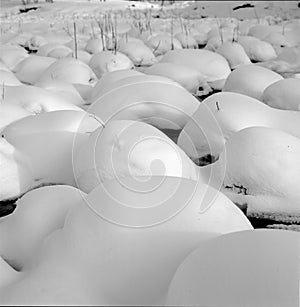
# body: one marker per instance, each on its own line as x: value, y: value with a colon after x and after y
x: 3, y: 91
x: 172, y: 33
x: 75, y: 40
x: 256, y: 15
x: 186, y: 35
x: 98, y: 119
x: 115, y: 34
x: 101, y: 34
x: 93, y: 30
x: 154, y: 50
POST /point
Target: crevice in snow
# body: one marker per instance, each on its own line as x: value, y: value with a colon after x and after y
x: 27, y: 9
x: 12, y: 264
x: 239, y: 189
x: 7, y: 207
x: 205, y: 160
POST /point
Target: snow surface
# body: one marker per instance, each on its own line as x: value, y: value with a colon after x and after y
x: 89, y: 92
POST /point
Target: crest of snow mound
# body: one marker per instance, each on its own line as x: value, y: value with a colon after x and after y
x: 129, y: 148
x: 153, y: 99
x: 250, y: 80
x: 263, y: 266
x: 270, y: 154
x: 222, y: 114
x: 283, y: 94
x: 209, y: 64
x: 70, y: 70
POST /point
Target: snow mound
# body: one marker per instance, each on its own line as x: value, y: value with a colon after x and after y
x: 129, y: 148
x: 250, y: 80
x: 283, y: 94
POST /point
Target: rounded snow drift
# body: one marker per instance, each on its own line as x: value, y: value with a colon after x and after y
x: 250, y: 80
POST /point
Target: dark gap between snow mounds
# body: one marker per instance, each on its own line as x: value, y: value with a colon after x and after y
x: 7, y: 207
x: 243, y: 6
x: 27, y: 9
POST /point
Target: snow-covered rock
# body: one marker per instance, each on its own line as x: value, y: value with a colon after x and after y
x: 186, y: 76
x: 107, y: 61
x: 7, y: 274
x: 162, y: 43
x: 129, y: 148
x: 60, y: 52
x: 250, y: 80
x: 82, y: 55
x: 186, y: 40
x: 210, y: 65
x: 35, y: 99
x: 260, y: 31
x: 12, y: 55
x: 270, y: 154
x: 108, y: 79
x: 38, y: 213
x: 35, y: 42
x: 8, y: 78
x: 15, y: 176
x: 46, y: 49
x: 10, y: 113
x: 287, y: 63
x: 94, y: 45
x: 138, y: 53
x: 64, y: 89
x: 101, y: 238
x: 222, y: 114
x: 70, y: 70
x: 256, y: 49
x: 202, y: 278
x: 31, y: 68
x: 47, y: 140
x: 234, y: 53
x: 153, y: 99
x: 283, y: 94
